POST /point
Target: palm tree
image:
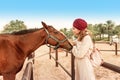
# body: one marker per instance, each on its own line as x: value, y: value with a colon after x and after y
x: 100, y: 30
x: 117, y: 30
x: 110, y: 26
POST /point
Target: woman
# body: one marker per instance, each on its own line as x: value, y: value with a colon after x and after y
x: 81, y: 50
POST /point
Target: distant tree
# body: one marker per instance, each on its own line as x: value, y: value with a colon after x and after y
x: 70, y: 33
x: 90, y: 27
x: 117, y: 30
x: 67, y: 32
x: 64, y: 30
x: 95, y: 30
x: 110, y: 26
x: 98, y: 30
x: 14, y: 26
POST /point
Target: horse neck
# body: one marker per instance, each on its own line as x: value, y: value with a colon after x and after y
x: 30, y: 42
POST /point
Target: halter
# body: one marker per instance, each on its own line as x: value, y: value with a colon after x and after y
x: 54, y: 38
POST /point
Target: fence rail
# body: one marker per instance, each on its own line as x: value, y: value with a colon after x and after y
x: 28, y: 73
x: 72, y: 74
x: 105, y: 64
x: 111, y: 67
x: 114, y: 43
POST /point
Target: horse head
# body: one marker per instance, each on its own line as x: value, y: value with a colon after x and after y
x: 56, y: 38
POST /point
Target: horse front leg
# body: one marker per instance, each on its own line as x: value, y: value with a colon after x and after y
x: 9, y: 76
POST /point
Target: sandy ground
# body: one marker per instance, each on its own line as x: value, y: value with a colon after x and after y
x: 44, y: 68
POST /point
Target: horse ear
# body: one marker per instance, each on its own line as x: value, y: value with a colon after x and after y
x: 44, y: 25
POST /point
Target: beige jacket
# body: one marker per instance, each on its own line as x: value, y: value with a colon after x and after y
x: 81, y: 49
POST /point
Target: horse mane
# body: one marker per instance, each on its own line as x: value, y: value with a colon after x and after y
x: 25, y: 31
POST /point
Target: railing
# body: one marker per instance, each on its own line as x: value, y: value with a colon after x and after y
x: 114, y: 43
x: 28, y: 73
x: 72, y: 74
x: 109, y: 65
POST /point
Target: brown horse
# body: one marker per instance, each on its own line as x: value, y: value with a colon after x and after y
x: 14, y: 48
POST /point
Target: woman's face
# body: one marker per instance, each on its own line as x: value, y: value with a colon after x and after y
x: 75, y: 31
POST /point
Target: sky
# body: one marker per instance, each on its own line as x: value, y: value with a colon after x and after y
x: 58, y: 13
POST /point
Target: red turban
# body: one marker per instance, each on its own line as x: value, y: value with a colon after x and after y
x: 80, y: 24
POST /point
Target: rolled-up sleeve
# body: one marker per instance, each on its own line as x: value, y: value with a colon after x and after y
x: 80, y: 51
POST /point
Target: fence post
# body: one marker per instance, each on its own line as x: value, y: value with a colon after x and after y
x: 31, y: 74
x: 66, y: 53
x: 115, y: 48
x: 50, y: 53
x: 28, y: 73
x: 56, y: 57
x: 72, y: 67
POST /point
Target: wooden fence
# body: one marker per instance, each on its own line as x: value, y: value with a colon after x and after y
x: 115, y: 45
x: 72, y: 74
x: 28, y: 73
x: 109, y: 65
